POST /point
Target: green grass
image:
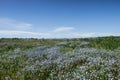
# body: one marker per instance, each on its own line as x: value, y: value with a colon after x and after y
x: 60, y: 59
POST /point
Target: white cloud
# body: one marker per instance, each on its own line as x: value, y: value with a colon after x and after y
x: 22, y: 34
x: 25, y: 34
x: 18, y: 30
x: 93, y: 34
x: 82, y: 35
x: 64, y: 29
x: 14, y: 24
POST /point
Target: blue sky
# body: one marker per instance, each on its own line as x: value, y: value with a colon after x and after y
x: 59, y: 18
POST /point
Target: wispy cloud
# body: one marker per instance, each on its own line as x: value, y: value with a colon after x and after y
x: 64, y: 29
x: 26, y: 34
x: 22, y: 34
x: 93, y: 34
x: 18, y: 29
x: 89, y: 34
x: 14, y: 24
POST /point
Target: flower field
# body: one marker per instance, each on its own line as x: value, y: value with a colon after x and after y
x: 60, y: 59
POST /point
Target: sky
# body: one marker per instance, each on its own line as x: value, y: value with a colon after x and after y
x: 59, y: 18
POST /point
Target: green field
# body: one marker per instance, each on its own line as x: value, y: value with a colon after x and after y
x: 60, y: 59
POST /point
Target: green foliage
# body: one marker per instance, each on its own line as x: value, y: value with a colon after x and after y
x: 60, y: 59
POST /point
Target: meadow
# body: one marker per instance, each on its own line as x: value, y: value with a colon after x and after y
x: 95, y: 58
